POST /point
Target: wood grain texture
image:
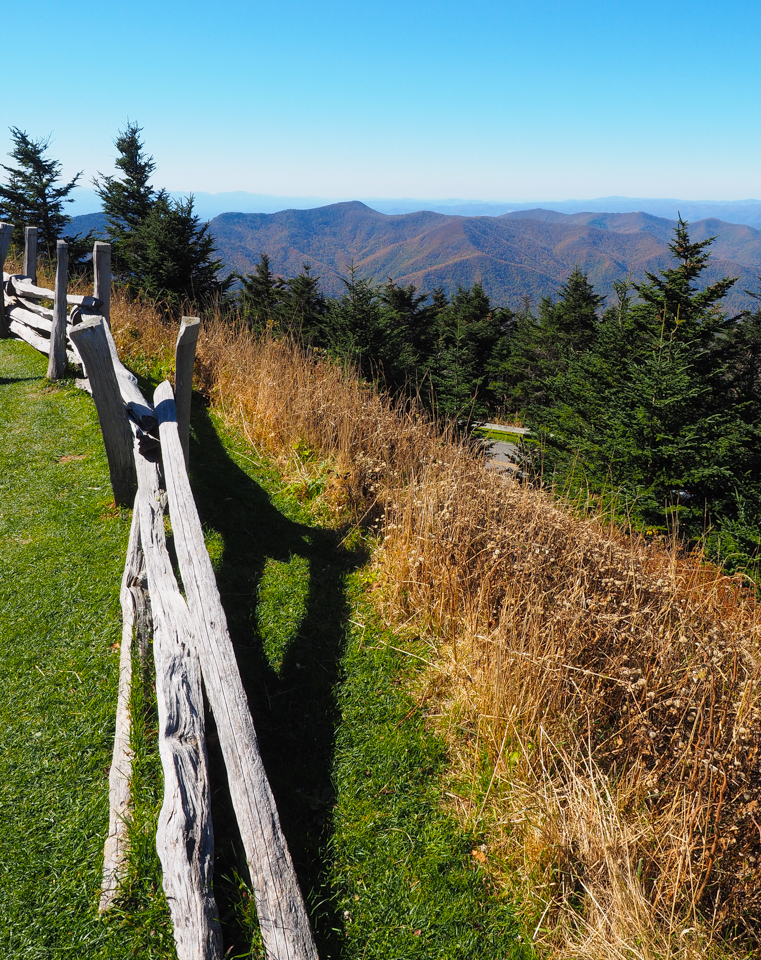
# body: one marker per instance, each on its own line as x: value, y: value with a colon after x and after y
x: 31, y: 305
x: 101, y: 259
x: 140, y: 409
x: 57, y: 355
x: 30, y: 253
x: 23, y: 286
x: 280, y: 906
x: 184, y: 361
x: 30, y: 318
x: 184, y: 840
x: 91, y: 342
x: 34, y: 339
x: 6, y: 236
x: 135, y: 621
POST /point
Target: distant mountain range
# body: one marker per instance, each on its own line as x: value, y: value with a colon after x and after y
x: 519, y: 253
x: 523, y: 252
x: 210, y: 205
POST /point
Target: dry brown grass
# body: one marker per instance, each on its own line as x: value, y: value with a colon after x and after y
x: 611, y: 684
x: 614, y: 685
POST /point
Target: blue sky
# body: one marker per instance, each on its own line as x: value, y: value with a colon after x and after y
x: 511, y: 100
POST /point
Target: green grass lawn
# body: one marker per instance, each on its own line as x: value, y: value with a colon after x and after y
x: 501, y: 435
x: 61, y: 555
x: 354, y: 767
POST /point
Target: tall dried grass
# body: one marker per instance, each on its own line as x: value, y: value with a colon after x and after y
x: 611, y: 682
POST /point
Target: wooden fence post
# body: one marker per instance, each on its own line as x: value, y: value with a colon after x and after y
x: 283, y: 919
x: 101, y: 262
x: 184, y: 359
x: 30, y: 253
x: 135, y: 625
x: 91, y: 342
x: 6, y: 235
x: 184, y: 838
x: 57, y: 358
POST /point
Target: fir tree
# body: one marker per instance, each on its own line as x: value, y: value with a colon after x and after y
x: 33, y: 194
x: 543, y: 347
x: 302, y: 307
x: 468, y: 330
x: 260, y: 295
x: 172, y: 257
x: 128, y: 201
x: 653, y: 406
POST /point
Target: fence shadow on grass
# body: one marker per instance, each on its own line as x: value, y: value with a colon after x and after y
x: 294, y: 707
x: 4, y: 381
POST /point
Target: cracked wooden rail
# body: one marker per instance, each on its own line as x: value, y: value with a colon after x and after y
x: 49, y: 329
x: 283, y: 920
x: 190, y: 641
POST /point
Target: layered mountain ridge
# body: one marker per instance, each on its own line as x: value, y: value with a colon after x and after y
x: 514, y: 255
x: 517, y: 254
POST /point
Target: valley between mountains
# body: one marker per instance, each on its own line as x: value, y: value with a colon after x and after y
x: 518, y: 254
x: 524, y: 253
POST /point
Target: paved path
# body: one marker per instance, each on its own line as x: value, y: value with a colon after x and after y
x: 502, y: 452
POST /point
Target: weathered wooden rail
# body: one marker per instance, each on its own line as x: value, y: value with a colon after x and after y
x: 147, y: 449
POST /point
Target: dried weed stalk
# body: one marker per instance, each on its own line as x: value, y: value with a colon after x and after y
x: 614, y: 682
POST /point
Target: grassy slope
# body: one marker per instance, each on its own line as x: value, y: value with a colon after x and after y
x: 353, y: 765
x: 61, y: 554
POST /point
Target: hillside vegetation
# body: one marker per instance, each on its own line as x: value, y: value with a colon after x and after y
x: 599, y: 693
x: 525, y: 253
x: 386, y: 869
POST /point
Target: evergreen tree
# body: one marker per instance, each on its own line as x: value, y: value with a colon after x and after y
x: 658, y: 407
x: 127, y: 202
x: 171, y: 258
x: 260, y: 294
x: 33, y: 194
x: 353, y: 326
x: 468, y: 330
x: 409, y: 324
x: 302, y: 307
x: 159, y: 246
x: 543, y: 348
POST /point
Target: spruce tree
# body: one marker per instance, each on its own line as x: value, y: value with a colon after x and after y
x: 658, y: 407
x: 260, y: 294
x: 33, y: 194
x: 172, y: 258
x: 353, y: 326
x: 468, y: 330
x: 544, y: 347
x: 302, y: 307
x: 128, y: 201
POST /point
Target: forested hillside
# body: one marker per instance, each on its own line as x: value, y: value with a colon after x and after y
x: 525, y: 253
x: 638, y: 367
x: 651, y: 399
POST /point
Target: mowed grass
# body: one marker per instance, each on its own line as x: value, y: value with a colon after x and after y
x: 356, y: 771
x: 503, y: 436
x: 411, y: 880
x: 61, y: 554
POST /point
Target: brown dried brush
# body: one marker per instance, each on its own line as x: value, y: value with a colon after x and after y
x: 622, y: 674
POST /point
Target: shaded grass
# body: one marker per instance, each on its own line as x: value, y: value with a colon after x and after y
x: 354, y: 768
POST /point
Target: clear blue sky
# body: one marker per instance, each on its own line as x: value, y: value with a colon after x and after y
x: 512, y: 100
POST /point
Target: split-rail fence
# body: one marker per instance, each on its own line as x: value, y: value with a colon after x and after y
x: 147, y: 450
